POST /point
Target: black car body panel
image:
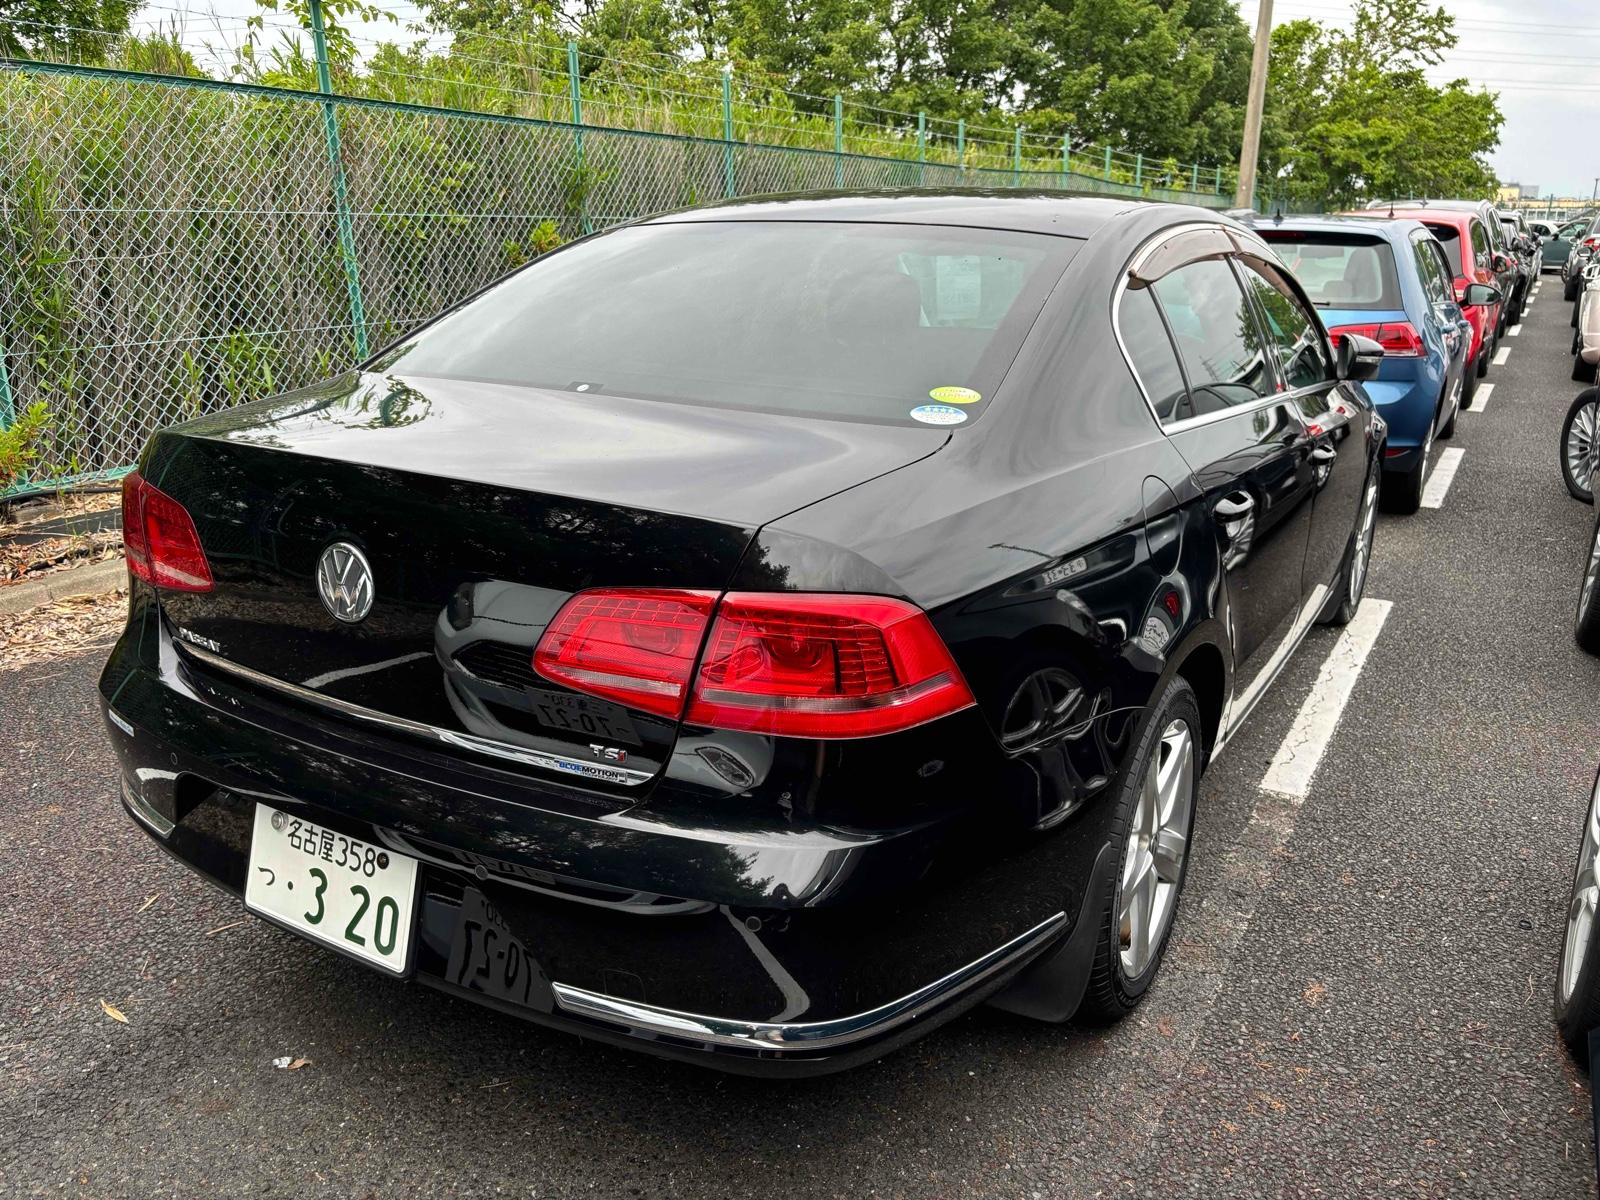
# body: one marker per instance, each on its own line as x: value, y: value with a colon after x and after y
x: 762, y: 903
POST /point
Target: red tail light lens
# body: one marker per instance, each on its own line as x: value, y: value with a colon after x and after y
x: 824, y: 666
x: 160, y: 539
x: 791, y: 664
x: 1399, y: 338
x: 633, y: 645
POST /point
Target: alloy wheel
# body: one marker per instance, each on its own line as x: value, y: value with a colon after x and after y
x: 1582, y: 456
x: 1362, y: 553
x: 1158, y: 842
x: 1591, y: 573
x: 1585, y: 898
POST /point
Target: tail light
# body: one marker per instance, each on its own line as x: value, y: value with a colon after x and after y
x: 160, y: 540
x: 1398, y: 338
x: 795, y: 665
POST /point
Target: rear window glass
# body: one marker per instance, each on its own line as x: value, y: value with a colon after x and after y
x: 885, y: 323
x: 1339, y: 270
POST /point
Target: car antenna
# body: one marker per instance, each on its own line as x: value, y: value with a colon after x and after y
x: 1277, y: 217
x: 1391, y: 210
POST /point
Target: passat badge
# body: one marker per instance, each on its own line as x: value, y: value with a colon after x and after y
x: 344, y: 581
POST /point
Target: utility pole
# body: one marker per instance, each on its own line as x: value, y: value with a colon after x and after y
x: 1245, y: 197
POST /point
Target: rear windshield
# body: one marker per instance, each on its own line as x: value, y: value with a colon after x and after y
x: 901, y: 324
x: 1450, y: 238
x: 1339, y: 270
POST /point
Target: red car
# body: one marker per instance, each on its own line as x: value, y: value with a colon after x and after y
x: 1469, y: 249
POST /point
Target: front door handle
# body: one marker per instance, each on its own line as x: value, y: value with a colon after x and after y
x: 1323, y: 453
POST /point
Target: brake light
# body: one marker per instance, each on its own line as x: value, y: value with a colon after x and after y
x: 824, y: 666
x: 791, y: 664
x: 1461, y: 290
x: 158, y: 535
x: 1592, y: 242
x: 1399, y: 338
x: 633, y: 645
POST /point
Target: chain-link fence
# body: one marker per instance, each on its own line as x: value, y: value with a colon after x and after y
x: 170, y: 246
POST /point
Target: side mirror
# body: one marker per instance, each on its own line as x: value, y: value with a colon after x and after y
x: 1480, y: 294
x: 1358, y: 358
x: 1500, y: 263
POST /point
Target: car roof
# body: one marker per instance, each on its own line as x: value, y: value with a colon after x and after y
x: 1059, y: 213
x: 1376, y: 224
x: 1436, y: 216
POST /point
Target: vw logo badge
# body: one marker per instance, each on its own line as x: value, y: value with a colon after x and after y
x: 344, y: 581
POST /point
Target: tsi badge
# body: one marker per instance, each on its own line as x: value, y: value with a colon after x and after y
x: 344, y: 581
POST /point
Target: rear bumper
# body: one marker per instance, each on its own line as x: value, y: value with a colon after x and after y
x: 726, y: 969
x: 1407, y: 406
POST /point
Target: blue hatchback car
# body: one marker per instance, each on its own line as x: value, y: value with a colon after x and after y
x: 1390, y: 281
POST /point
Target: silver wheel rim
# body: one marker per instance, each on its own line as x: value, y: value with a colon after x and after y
x: 1455, y: 395
x: 1158, y: 843
x: 1590, y: 574
x: 1581, y: 456
x: 1585, y: 896
x: 1363, y: 547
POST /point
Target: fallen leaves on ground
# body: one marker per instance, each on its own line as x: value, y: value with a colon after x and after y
x: 1313, y: 995
x: 61, y: 627
x: 22, y: 561
x: 290, y: 1064
x: 112, y: 1011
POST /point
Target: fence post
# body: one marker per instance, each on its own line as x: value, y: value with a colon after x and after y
x: 8, y: 410
x: 1066, y: 157
x: 1016, y: 157
x: 1138, y: 171
x: 922, y: 148
x: 577, y: 134
x: 838, y: 140
x: 727, y: 131
x: 341, y: 197
x: 1217, y: 187
x: 961, y: 144
x: 1108, y: 162
x: 1194, y: 178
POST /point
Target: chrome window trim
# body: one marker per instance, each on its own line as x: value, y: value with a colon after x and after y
x: 806, y: 1036
x: 570, y: 767
x: 1139, y: 257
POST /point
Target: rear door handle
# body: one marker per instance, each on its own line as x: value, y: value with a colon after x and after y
x: 1235, y: 506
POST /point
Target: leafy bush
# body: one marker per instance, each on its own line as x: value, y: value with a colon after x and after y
x: 20, y: 444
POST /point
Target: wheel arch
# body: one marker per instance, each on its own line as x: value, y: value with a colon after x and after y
x: 1205, y: 670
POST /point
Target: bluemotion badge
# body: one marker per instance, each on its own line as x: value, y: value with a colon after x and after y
x: 938, y: 414
x: 955, y: 395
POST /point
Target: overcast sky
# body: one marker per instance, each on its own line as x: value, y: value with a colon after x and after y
x: 1539, y: 55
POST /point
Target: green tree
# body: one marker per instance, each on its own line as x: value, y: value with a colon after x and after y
x: 78, y: 30
x: 1350, y: 113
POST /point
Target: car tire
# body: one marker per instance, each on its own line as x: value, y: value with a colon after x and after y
x: 1469, y: 383
x: 1580, y: 444
x: 1569, y: 288
x: 1351, y: 582
x: 1154, y: 815
x: 1482, y: 368
x: 1582, y: 372
x: 1577, y: 306
x: 1586, y: 624
x: 1577, y: 1000
x: 1453, y: 402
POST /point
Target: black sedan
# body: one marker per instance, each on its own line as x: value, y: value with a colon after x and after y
x: 758, y: 633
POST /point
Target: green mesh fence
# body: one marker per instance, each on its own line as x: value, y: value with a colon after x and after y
x: 172, y: 246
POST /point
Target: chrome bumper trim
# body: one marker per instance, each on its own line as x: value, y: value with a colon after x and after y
x: 804, y: 1036
x: 571, y: 767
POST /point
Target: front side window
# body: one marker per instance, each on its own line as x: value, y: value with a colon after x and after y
x: 1151, y: 351
x: 893, y: 324
x: 1428, y: 268
x: 1217, y: 335
x: 1294, y: 335
x: 1480, y: 246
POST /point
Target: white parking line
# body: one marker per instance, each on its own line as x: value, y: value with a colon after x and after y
x: 1480, y: 398
x: 1297, y: 758
x: 1444, y: 471
x: 1514, y: 330
x: 1501, y: 355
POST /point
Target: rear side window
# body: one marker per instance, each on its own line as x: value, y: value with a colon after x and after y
x: 1293, y: 335
x: 1151, y: 351
x: 1449, y: 237
x: 1339, y: 270
x: 1429, y: 269
x: 1217, y: 335
x: 895, y: 324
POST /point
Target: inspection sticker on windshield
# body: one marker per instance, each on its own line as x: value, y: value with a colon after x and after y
x: 938, y: 414
x: 955, y: 395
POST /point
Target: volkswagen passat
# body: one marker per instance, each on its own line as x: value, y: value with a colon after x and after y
x: 759, y: 633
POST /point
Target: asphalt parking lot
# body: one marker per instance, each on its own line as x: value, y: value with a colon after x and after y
x: 1357, y: 1002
